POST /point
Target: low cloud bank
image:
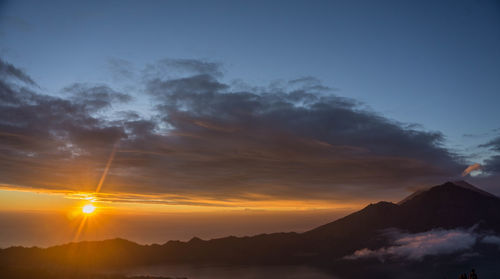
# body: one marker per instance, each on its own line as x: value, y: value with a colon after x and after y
x: 491, y: 239
x: 414, y: 247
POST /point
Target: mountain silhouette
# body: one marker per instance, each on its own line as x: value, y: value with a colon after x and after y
x: 447, y: 206
x: 450, y: 205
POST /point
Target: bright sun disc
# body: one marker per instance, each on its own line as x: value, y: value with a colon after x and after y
x: 87, y: 209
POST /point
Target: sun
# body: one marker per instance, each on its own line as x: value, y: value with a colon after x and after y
x: 88, y: 209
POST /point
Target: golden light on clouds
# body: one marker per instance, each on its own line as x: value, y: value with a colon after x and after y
x: 19, y: 198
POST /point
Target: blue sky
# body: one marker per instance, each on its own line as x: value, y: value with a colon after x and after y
x: 434, y: 63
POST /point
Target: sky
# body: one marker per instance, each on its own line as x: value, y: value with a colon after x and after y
x: 166, y: 112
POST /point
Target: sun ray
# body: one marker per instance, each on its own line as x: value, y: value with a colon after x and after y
x: 80, y: 228
x: 106, y: 169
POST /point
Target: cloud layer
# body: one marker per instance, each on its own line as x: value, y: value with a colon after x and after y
x: 415, y: 247
x: 208, y: 141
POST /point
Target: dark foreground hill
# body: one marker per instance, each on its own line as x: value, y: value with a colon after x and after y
x: 368, y: 237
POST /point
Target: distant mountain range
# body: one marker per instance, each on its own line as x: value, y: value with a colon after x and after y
x: 463, y: 218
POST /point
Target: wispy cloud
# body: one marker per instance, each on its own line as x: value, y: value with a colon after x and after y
x: 471, y: 168
x: 9, y: 71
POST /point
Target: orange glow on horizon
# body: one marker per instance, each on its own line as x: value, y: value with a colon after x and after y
x: 133, y: 203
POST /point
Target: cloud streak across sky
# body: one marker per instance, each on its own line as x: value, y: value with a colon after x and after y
x: 210, y: 141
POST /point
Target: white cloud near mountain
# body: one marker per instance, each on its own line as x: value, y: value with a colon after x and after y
x: 415, y: 247
x: 491, y: 239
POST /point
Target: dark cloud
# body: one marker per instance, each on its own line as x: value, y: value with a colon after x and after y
x: 202, y: 103
x: 309, y: 83
x: 94, y: 98
x: 173, y: 90
x: 169, y: 67
x: 48, y: 141
x: 212, y: 143
x: 493, y: 144
x: 492, y: 164
x: 194, y: 66
x: 8, y: 71
x: 285, y: 143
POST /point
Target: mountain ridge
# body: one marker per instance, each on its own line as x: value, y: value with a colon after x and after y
x: 446, y: 206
